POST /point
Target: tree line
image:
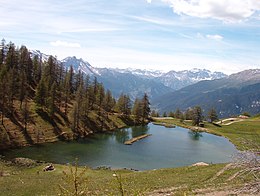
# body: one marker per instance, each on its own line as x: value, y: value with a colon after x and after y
x: 54, y: 88
x: 195, y: 114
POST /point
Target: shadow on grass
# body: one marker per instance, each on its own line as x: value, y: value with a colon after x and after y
x: 217, y: 125
x: 13, y: 117
x: 127, y: 120
x: 46, y: 117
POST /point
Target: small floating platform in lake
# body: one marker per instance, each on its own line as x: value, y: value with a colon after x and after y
x: 135, y: 139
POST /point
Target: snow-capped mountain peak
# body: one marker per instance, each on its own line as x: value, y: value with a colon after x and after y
x: 79, y: 65
x: 179, y: 79
x: 140, y: 72
x: 43, y: 57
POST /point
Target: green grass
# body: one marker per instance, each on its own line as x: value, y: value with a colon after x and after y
x: 33, y: 181
x: 245, y: 134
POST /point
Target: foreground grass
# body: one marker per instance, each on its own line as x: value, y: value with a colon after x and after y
x: 17, y: 180
x: 245, y: 135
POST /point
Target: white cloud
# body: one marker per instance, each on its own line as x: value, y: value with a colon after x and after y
x: 157, y: 21
x: 149, y: 1
x: 65, y: 44
x: 215, y: 37
x: 224, y: 10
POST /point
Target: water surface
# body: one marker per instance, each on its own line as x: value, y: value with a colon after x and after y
x: 167, y: 147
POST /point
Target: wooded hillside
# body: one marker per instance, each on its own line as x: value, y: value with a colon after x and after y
x: 44, y: 101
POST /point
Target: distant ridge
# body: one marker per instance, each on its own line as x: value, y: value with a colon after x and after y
x: 137, y: 81
x: 232, y: 95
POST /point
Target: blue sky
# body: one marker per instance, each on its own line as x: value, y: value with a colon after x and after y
x: 220, y: 35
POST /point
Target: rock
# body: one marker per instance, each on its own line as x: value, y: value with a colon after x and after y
x: 200, y: 164
x: 24, y: 162
x: 48, y: 168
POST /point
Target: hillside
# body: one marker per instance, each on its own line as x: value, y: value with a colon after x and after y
x: 42, y: 128
x: 233, y: 95
x: 40, y: 101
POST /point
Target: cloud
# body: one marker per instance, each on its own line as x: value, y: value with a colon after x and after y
x: 152, y: 20
x: 215, y: 37
x: 65, y: 44
x: 224, y: 10
x: 149, y: 1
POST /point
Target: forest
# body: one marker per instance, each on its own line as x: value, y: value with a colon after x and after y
x: 32, y: 87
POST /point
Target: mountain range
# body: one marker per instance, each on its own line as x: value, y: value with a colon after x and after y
x: 179, y: 89
x: 231, y: 95
x: 137, y: 81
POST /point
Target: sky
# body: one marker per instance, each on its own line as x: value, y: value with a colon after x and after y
x: 219, y: 35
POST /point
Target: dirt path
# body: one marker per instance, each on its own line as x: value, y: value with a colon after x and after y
x: 231, y: 121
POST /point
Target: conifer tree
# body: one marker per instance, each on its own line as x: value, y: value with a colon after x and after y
x: 2, y: 52
x: 189, y: 114
x: 109, y: 101
x: 70, y: 78
x: 11, y: 57
x: 25, y: 113
x: 78, y: 80
x: 145, y: 107
x: 37, y: 69
x: 137, y: 109
x: 197, y: 115
x: 75, y: 117
x: 154, y: 113
x: 12, y: 78
x: 124, y: 104
x: 91, y: 97
x: 51, y: 100
x: 77, y: 108
x: 3, y: 91
x: 178, y: 113
x: 22, y: 87
x: 25, y: 63
x: 171, y: 114
x: 40, y: 93
x: 212, y: 115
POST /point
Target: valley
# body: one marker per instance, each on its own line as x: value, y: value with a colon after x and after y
x: 70, y: 110
x: 130, y: 98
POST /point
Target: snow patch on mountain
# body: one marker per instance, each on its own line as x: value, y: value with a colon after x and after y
x: 140, y: 72
x: 80, y: 65
x: 43, y: 57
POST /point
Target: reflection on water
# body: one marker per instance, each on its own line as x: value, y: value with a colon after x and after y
x: 139, y: 130
x: 167, y: 147
x: 122, y: 135
x: 195, y: 135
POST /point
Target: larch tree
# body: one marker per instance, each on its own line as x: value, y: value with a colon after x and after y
x: 212, y: 115
x: 145, y: 107
x: 137, y: 109
x: 197, y: 115
x: 178, y: 113
x: 124, y: 104
x: 40, y: 93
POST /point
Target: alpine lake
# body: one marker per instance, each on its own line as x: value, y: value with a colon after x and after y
x: 165, y: 148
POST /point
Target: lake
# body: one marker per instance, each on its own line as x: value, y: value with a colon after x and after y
x: 165, y: 148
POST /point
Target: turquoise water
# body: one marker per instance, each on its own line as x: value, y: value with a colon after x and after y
x: 167, y: 147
